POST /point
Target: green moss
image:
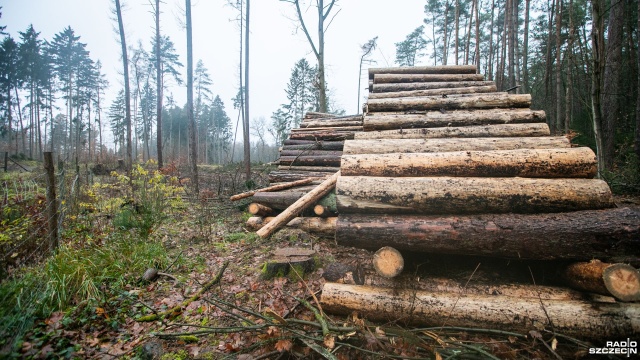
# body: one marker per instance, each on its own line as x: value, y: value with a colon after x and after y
x: 178, y: 355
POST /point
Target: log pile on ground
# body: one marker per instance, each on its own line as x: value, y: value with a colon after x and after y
x: 443, y: 163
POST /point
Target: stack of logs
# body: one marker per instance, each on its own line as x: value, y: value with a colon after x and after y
x: 445, y: 164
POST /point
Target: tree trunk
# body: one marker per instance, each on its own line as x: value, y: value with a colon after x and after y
x: 392, y: 87
x: 612, y: 86
x: 569, y: 89
x: 314, y: 225
x: 159, y: 85
x: 127, y: 90
x: 532, y: 163
x: 499, y: 130
x: 331, y: 123
x: 449, y: 69
x: 281, y: 200
x: 452, y: 118
x: 412, y: 78
x: 454, y: 195
x: 597, y: 46
x: 457, y: 29
x: 385, y: 146
x: 301, y: 204
x: 558, y: 96
x: 435, y: 92
x: 621, y: 281
x: 612, y: 234
x: 322, y: 135
x: 193, y: 153
x: 305, y: 152
x: 637, y: 140
x: 480, y: 101
x: 525, y: 50
x: 573, y: 318
x: 247, y: 119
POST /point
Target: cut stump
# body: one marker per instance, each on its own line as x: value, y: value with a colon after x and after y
x: 284, y: 259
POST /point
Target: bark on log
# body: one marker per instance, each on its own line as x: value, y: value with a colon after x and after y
x: 317, y: 115
x: 442, y: 69
x: 357, y: 127
x: 388, y: 262
x: 533, y: 163
x: 273, y: 188
x: 452, y: 118
x: 305, y: 152
x: 386, y: 146
x: 259, y: 209
x: 621, y: 281
x: 395, y: 87
x: 322, y: 135
x: 612, y: 235
x: 573, y: 318
x: 327, y: 169
x: 313, y: 145
x: 435, y: 92
x: 304, y: 160
x: 279, y: 176
x: 447, y: 285
x: 301, y: 204
x: 452, y: 195
x: 282, y: 199
x: 498, y: 130
x: 311, y: 142
x: 410, y: 78
x: 329, y: 124
x: 479, y: 101
x: 313, y: 225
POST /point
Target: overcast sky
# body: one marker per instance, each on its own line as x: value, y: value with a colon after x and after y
x: 275, y: 45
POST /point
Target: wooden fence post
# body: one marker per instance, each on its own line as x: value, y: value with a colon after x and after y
x: 52, y: 203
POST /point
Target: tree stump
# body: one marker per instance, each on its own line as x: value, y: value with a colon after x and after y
x: 285, y: 259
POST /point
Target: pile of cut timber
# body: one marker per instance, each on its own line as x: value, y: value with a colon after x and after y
x: 443, y: 163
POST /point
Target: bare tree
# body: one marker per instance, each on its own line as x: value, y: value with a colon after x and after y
x: 558, y: 96
x: 127, y: 90
x: 525, y: 50
x: 367, y: 48
x: 193, y: 153
x: 597, y: 46
x: 612, y: 82
x: 245, y: 125
x: 159, y: 84
x: 318, y: 51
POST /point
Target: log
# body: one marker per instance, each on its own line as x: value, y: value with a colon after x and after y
x: 621, y: 281
x: 441, y: 284
x: 396, y: 87
x: 273, y: 188
x: 306, y: 152
x: 259, y: 209
x: 479, y: 101
x: 533, y: 163
x: 386, y: 146
x: 612, y: 234
x: 281, y: 200
x: 285, y: 259
x: 409, y: 78
x: 388, y: 262
x: 435, y: 92
x: 316, y: 115
x: 324, y: 211
x: 313, y: 225
x: 322, y: 135
x: 310, y: 142
x: 498, y: 130
x: 570, y: 317
x: 452, y: 118
x: 330, y: 117
x: 326, y: 169
x: 441, y: 69
x: 279, y: 176
x: 313, y: 145
x: 301, y: 204
x: 357, y: 127
x: 329, y: 124
x: 469, y: 195
x: 304, y: 160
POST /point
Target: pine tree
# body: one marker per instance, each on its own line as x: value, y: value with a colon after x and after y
x: 412, y: 48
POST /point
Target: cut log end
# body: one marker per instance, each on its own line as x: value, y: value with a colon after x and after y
x: 259, y: 209
x: 388, y: 262
x: 622, y: 281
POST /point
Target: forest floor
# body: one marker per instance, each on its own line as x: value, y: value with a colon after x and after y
x: 216, y: 303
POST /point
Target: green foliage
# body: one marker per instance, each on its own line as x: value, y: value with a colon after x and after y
x: 625, y: 179
x: 412, y: 48
x: 249, y: 238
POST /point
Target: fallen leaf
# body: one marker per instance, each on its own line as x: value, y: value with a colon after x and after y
x: 283, y: 345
